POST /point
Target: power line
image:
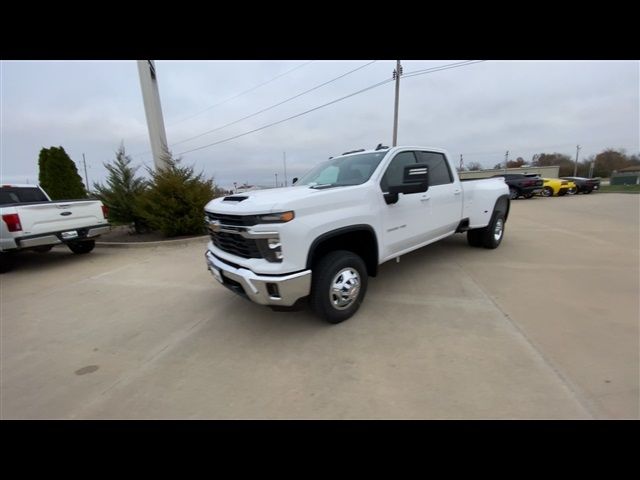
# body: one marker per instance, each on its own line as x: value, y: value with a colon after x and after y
x: 527, y: 150
x: 242, y: 93
x: 421, y: 72
x: 274, y: 105
x: 416, y: 73
x: 232, y: 98
x: 288, y: 118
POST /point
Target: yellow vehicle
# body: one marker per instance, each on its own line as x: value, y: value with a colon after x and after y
x: 557, y: 187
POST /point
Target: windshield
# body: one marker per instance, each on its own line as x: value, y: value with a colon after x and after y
x: 343, y: 171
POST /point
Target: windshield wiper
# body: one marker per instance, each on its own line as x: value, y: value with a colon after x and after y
x: 330, y: 185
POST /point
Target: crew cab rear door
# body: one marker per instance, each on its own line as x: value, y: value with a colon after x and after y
x: 443, y: 200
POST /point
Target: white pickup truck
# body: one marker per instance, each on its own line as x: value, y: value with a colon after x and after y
x: 324, y: 236
x: 32, y: 221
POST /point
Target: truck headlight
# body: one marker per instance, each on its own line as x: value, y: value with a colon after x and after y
x: 282, y: 217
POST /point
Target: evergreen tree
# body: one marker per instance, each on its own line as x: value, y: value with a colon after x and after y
x: 122, y: 191
x: 58, y: 175
x: 175, y: 200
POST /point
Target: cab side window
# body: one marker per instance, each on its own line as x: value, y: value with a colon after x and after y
x: 395, y: 170
x: 439, y: 172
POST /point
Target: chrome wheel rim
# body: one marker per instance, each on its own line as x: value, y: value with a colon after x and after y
x: 344, y: 288
x: 497, y: 231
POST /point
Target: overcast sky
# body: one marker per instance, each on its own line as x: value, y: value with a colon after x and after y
x: 478, y: 110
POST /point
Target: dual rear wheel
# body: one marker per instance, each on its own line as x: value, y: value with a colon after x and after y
x: 489, y: 236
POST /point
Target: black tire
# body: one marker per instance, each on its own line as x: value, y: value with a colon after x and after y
x: 547, y: 192
x: 486, y: 237
x: 587, y: 191
x: 81, y: 247
x: 528, y: 195
x: 489, y: 239
x: 324, y: 273
x: 513, y: 193
x: 43, y: 248
x: 6, y: 262
x: 474, y: 237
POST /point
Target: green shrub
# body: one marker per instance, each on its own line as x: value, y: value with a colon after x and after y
x: 58, y: 175
x: 174, y: 202
x: 123, y: 192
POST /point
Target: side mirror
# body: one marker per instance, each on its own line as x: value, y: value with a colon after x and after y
x: 415, y: 180
x: 295, y: 179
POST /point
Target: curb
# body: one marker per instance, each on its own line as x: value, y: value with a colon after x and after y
x: 168, y: 243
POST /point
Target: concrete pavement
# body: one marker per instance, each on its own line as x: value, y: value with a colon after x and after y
x: 546, y: 326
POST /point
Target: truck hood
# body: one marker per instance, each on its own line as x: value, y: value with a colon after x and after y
x: 263, y: 201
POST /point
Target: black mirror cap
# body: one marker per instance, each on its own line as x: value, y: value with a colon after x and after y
x: 295, y: 179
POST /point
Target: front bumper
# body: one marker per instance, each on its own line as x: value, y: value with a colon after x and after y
x: 283, y: 290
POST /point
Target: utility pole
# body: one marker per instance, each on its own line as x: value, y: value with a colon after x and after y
x: 396, y: 74
x: 284, y: 159
x: 575, y: 167
x: 461, y: 163
x: 276, y: 180
x: 86, y: 177
x: 506, y: 160
x: 591, y: 167
x: 153, y: 111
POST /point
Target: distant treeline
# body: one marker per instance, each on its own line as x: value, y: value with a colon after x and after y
x: 606, y: 162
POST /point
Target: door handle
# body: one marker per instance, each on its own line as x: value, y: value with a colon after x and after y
x: 456, y: 192
x: 425, y: 199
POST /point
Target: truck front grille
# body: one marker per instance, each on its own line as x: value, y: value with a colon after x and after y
x: 236, y: 244
x: 235, y: 220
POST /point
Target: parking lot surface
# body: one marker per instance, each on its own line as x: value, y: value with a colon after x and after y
x: 545, y: 326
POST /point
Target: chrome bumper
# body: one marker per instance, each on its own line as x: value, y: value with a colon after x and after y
x: 49, y: 239
x: 284, y: 290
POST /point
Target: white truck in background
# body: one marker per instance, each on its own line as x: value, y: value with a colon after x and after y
x: 32, y: 221
x: 324, y: 236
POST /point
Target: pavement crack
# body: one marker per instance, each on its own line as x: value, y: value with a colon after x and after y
x: 577, y: 393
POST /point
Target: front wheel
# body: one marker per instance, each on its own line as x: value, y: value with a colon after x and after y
x: 82, y: 247
x: 338, y: 286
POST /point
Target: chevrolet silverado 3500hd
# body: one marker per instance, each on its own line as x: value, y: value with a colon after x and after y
x: 324, y: 236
